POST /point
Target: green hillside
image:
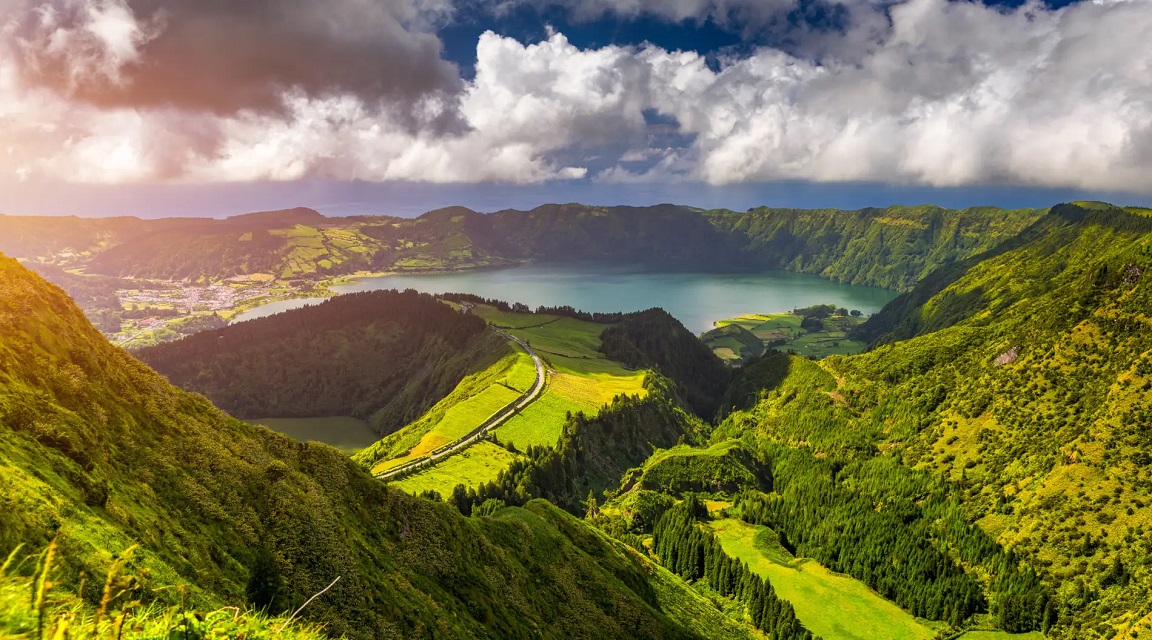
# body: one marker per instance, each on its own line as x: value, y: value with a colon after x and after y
x: 1020, y: 384
x: 99, y: 453
x: 383, y: 356
x: 981, y: 471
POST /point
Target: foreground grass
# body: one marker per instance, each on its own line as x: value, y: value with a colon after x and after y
x: 472, y: 467
x: 30, y: 608
x: 833, y: 606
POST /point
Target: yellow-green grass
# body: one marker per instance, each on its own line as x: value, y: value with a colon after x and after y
x: 511, y: 319
x: 716, y: 506
x: 476, y: 399
x: 564, y: 337
x: 458, y: 420
x: 826, y: 344
x: 718, y: 450
x: 472, y: 467
x: 346, y: 433
x: 537, y: 425
x: 715, y: 618
x: 831, y: 605
x: 575, y: 384
x: 1001, y: 635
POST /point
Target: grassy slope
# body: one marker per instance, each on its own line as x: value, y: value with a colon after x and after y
x: 721, y: 467
x: 100, y: 452
x: 476, y: 465
x: 579, y: 379
x: 477, y: 397
x: 833, y: 606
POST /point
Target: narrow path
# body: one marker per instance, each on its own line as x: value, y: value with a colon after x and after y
x: 479, y: 432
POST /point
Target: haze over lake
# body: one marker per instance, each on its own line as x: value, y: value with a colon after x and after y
x: 696, y: 299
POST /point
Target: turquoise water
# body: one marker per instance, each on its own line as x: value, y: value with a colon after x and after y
x: 696, y: 299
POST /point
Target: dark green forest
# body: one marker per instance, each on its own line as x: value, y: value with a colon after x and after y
x: 384, y: 356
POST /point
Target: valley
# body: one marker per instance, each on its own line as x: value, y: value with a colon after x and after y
x: 967, y: 459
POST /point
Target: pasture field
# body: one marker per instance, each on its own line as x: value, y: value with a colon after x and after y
x: 472, y: 467
x: 510, y: 319
x: 833, y: 606
x: 580, y: 378
x: 782, y: 331
x: 346, y: 433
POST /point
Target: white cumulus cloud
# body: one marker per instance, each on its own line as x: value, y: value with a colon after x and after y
x: 943, y: 93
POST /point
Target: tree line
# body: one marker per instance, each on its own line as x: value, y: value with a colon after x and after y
x: 695, y: 554
x: 890, y: 528
x: 593, y: 453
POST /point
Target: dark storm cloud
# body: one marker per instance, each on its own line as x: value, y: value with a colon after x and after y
x: 223, y: 56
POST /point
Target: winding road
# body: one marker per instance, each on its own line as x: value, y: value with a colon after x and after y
x: 479, y: 432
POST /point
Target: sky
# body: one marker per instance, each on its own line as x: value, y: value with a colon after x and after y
x: 217, y: 107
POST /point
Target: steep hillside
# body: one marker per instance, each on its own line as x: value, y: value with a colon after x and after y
x: 892, y: 247
x: 1022, y: 384
x: 99, y: 452
x: 383, y: 356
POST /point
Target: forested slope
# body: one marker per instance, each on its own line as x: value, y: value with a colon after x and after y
x: 1019, y: 399
x: 384, y: 356
x: 98, y: 452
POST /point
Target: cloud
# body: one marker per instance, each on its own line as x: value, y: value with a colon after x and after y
x: 227, y: 55
x: 944, y: 93
x: 952, y: 94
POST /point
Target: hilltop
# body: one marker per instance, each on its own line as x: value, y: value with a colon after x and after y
x: 382, y: 356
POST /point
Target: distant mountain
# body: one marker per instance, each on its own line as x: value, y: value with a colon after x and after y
x: 892, y: 247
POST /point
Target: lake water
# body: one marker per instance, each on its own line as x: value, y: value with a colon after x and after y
x: 345, y: 433
x: 696, y: 299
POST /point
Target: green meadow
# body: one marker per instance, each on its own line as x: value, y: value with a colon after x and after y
x: 781, y: 331
x: 477, y: 398
x: 579, y: 377
x: 831, y: 605
x: 474, y: 466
